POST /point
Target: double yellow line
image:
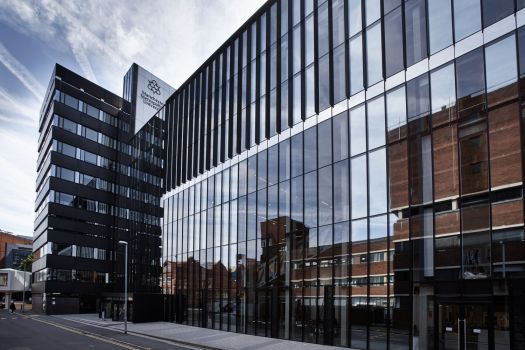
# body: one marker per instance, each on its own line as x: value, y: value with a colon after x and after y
x: 112, y: 341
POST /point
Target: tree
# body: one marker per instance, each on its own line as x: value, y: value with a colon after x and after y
x: 25, y: 265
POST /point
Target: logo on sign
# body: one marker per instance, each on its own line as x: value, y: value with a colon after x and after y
x: 154, y: 87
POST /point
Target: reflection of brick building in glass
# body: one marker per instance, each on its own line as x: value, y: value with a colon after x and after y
x: 371, y: 196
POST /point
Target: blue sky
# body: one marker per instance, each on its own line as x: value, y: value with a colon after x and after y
x: 98, y: 39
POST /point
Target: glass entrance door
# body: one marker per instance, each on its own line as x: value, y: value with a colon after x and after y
x: 464, y: 326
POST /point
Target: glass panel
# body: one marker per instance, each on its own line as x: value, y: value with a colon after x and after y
x: 284, y: 117
x: 418, y: 102
x: 297, y: 49
x: 359, y: 187
x: 356, y: 65
x: 467, y: 18
x: 284, y: 16
x: 376, y: 123
x: 297, y: 99
x: 273, y: 162
x: 494, y: 10
x: 310, y: 91
x: 378, y: 183
x: 339, y: 74
x: 389, y: 5
x: 309, y: 41
x: 416, y: 33
x: 338, y: 22
x: 342, y: 192
x: 357, y: 130
x: 354, y: 14
x: 262, y: 168
x: 325, y: 196
x: 374, y: 54
x: 310, y: 149
x: 439, y: 25
x: 394, y: 42
x: 324, y: 143
x: 284, y: 160
x: 340, y: 130
x: 310, y: 199
x: 297, y: 155
x: 284, y: 58
x: 443, y: 88
x: 378, y: 227
x: 396, y: 110
x: 470, y: 78
x: 322, y: 29
x: 324, y: 82
x: 501, y: 65
x: 372, y: 11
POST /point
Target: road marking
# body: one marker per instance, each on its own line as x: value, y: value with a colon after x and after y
x: 112, y: 341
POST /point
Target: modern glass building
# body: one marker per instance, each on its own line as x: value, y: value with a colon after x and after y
x: 98, y: 183
x: 351, y: 173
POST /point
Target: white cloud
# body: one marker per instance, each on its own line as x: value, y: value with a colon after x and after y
x: 20, y: 72
x: 171, y: 38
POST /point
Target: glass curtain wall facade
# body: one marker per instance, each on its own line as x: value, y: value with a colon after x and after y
x: 350, y: 173
x: 97, y: 183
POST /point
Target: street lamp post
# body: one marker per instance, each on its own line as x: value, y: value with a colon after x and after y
x: 125, y: 285
x: 24, y: 292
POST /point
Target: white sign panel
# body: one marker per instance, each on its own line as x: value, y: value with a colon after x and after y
x: 151, y: 95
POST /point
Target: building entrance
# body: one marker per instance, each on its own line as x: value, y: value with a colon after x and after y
x: 465, y: 326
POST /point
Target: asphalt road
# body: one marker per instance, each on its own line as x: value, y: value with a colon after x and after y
x: 28, y: 332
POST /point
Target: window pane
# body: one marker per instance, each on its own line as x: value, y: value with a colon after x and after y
x: 273, y: 113
x: 297, y: 199
x: 521, y: 49
x: 494, y: 10
x: 297, y: 99
x: 439, y: 25
x: 308, y: 41
x: 325, y: 196
x: 273, y: 161
x: 416, y: 34
x: 378, y: 227
x: 378, y: 183
x: 297, y: 49
x: 359, y: 230
x: 394, y: 42
x: 262, y: 180
x: 310, y: 149
x: 284, y: 58
x: 357, y: 130
x: 284, y: 160
x: 376, y: 123
x: 310, y: 199
x: 338, y: 20
x: 354, y: 15
x: 356, y: 65
x: 296, y: 14
x: 342, y: 194
x: 467, y: 18
x: 339, y: 74
x: 324, y: 82
x: 284, y: 16
x: 470, y: 77
x: 501, y: 65
x: 359, y: 187
x: 372, y: 11
x: 310, y: 91
x: 374, y: 54
x: 284, y: 107
x: 389, y: 5
x: 324, y: 143
x: 340, y: 130
x: 443, y: 88
x: 322, y: 29
x: 396, y: 108
x: 418, y: 97
x: 297, y: 155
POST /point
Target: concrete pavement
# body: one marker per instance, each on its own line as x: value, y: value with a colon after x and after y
x: 199, y: 337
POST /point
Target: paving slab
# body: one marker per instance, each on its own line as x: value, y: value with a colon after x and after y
x: 199, y: 337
